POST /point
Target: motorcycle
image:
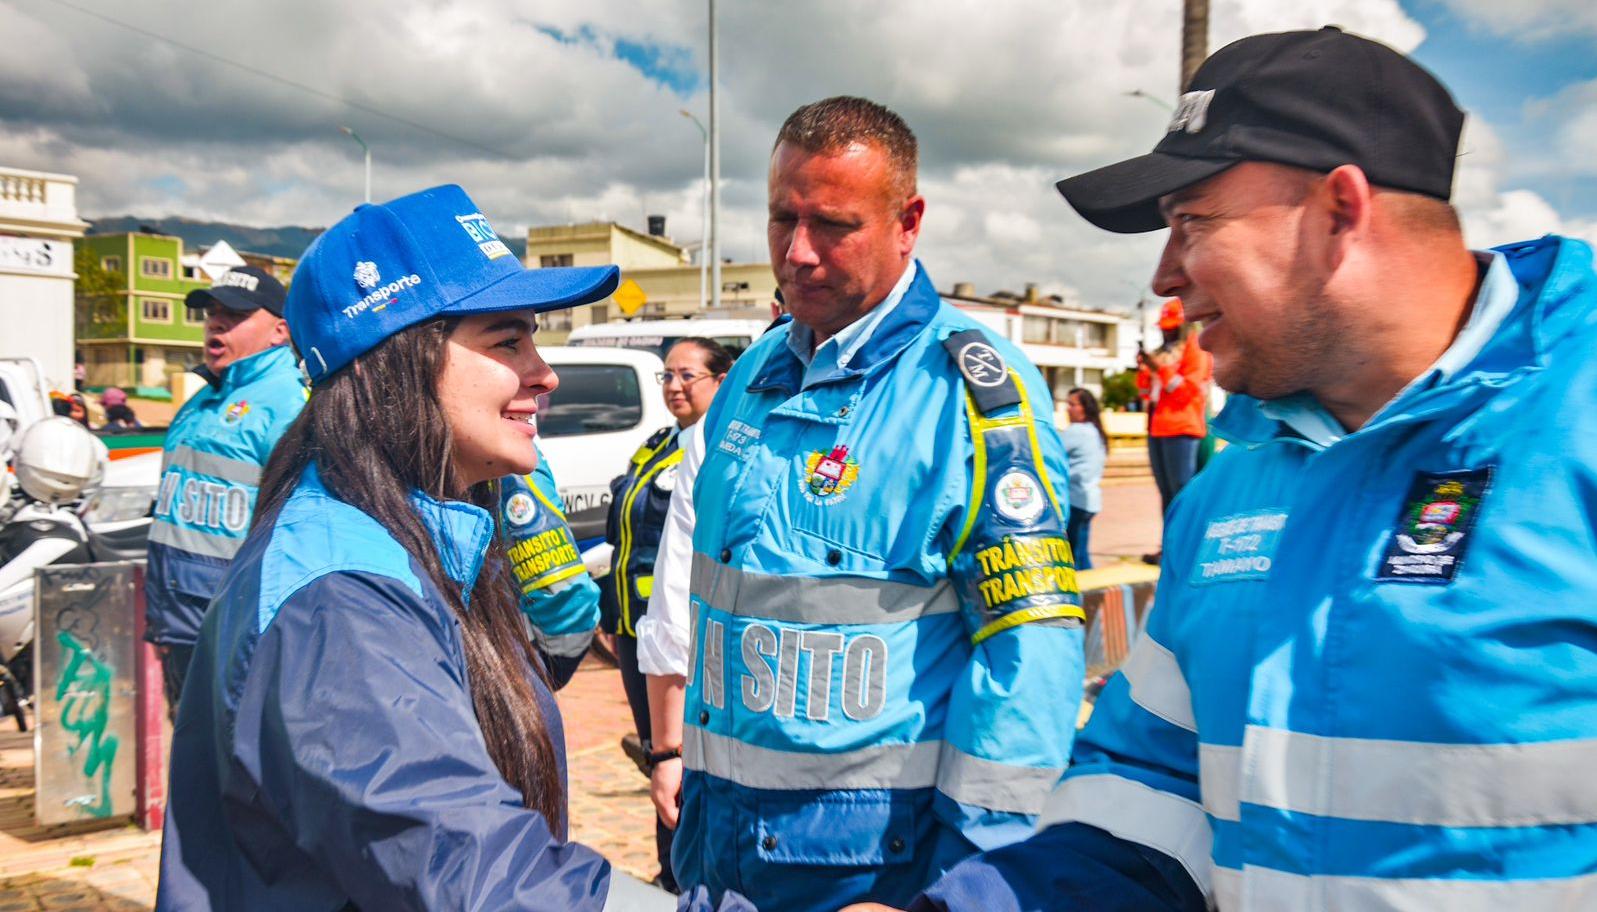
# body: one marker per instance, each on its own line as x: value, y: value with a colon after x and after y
x: 62, y: 512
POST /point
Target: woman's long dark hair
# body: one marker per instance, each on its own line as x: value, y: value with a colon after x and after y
x: 1089, y: 407
x: 376, y: 432
x: 717, y: 357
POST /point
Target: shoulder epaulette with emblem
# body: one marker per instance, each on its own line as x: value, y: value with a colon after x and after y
x: 992, y: 386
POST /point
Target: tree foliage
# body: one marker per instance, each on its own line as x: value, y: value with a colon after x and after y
x: 1120, y: 390
x: 99, y: 310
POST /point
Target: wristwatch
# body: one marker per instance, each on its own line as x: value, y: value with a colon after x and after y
x: 657, y: 757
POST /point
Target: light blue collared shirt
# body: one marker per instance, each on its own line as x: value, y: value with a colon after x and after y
x: 1497, y: 296
x: 835, y: 353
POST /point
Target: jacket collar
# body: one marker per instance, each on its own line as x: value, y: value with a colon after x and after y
x: 247, y: 370
x: 783, y: 370
x: 460, y: 531
x: 1557, y: 293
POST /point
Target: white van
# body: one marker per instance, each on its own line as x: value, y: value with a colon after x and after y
x: 607, y: 404
x: 657, y: 336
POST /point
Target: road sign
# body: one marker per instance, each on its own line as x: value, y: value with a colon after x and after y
x: 629, y: 297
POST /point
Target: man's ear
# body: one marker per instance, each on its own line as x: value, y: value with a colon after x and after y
x: 280, y: 332
x: 1346, y: 194
x: 909, y: 222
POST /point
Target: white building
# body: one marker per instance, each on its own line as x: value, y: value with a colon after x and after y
x: 1072, y: 346
x: 38, y: 222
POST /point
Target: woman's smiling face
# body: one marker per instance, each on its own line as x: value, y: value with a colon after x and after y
x: 489, y: 387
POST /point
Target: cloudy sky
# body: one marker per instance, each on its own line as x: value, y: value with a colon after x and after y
x: 552, y: 112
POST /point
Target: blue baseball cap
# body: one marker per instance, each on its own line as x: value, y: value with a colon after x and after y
x: 386, y: 267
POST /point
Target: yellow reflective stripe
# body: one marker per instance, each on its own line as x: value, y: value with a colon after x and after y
x: 624, y: 549
x: 1026, y: 616
x: 1036, y: 448
x: 978, y: 477
x: 645, y: 586
x: 532, y: 485
x: 552, y: 577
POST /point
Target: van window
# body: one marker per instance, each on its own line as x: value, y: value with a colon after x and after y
x: 657, y: 345
x: 592, y: 399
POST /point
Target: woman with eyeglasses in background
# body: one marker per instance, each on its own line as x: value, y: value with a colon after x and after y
x: 639, y: 499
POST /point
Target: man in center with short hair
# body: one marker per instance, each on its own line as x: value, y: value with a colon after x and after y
x: 887, y: 655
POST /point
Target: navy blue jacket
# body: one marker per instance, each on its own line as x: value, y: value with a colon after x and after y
x: 327, y: 752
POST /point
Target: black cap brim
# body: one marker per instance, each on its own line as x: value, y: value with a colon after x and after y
x: 232, y: 298
x: 1124, y: 197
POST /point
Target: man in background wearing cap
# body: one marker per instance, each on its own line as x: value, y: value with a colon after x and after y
x: 1370, y: 681
x: 215, y: 449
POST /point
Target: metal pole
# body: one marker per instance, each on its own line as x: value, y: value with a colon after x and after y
x: 715, y: 173
x: 368, y: 153
x: 1194, y: 38
x: 704, y: 215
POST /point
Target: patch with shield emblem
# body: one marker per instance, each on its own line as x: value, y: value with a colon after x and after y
x: 1434, y: 526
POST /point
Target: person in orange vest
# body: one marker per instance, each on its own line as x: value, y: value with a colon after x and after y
x: 1175, y: 380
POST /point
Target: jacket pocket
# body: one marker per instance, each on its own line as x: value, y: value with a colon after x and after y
x: 836, y: 828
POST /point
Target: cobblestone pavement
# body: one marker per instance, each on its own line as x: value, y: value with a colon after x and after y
x: 90, y: 867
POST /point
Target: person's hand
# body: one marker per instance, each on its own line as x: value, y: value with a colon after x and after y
x: 665, y: 790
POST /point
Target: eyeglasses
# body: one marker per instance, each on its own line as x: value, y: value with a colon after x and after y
x: 683, y: 377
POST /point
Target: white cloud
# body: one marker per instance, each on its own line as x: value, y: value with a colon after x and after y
x: 1531, y: 20
x: 1005, y: 99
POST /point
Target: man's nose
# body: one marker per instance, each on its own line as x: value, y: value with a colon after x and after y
x: 1169, y: 278
x: 800, y: 247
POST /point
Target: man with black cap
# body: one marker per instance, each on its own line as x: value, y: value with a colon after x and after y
x: 1371, y: 680
x: 215, y: 449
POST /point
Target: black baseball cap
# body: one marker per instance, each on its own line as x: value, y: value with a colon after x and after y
x: 1313, y: 99
x: 244, y: 289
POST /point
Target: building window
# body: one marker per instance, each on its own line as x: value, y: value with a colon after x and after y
x: 600, y: 313
x: 193, y: 316
x: 155, y: 267
x: 191, y: 272
x: 111, y: 263
x: 1036, y: 330
x: 555, y: 321
x: 156, y: 310
x: 554, y: 259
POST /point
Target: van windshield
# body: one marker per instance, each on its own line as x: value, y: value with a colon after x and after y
x: 655, y: 345
x: 592, y: 399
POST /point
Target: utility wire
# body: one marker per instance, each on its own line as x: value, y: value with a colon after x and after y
x: 264, y: 74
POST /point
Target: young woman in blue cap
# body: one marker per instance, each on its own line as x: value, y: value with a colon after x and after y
x: 367, y: 723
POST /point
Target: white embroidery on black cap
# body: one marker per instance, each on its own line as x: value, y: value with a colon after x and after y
x: 1192, y: 112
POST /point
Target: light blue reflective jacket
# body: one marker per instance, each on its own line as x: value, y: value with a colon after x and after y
x: 1371, y: 680
x: 845, y: 738
x: 215, y: 449
x: 558, y: 596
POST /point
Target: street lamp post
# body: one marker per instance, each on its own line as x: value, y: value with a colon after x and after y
x: 704, y: 215
x: 715, y: 173
x: 367, y: 150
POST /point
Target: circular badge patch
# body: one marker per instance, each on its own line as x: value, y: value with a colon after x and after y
x: 982, y: 365
x: 666, y: 480
x: 1019, y: 497
x: 519, y: 509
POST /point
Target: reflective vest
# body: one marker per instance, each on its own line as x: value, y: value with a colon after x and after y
x: 887, y: 656
x: 639, y: 500
x: 215, y: 450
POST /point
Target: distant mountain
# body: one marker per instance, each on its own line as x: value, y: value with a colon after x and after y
x: 286, y: 241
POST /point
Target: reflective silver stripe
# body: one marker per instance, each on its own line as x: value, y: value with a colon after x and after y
x: 235, y: 470
x: 1220, y: 780
x: 564, y: 644
x: 1545, y: 783
x: 883, y: 766
x: 1227, y: 889
x: 629, y: 894
x: 1157, y: 684
x: 816, y: 600
x: 195, y: 541
x: 996, y: 786
x: 1262, y: 888
x: 1137, y: 813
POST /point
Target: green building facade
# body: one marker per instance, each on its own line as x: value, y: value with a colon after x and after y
x: 148, y: 335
